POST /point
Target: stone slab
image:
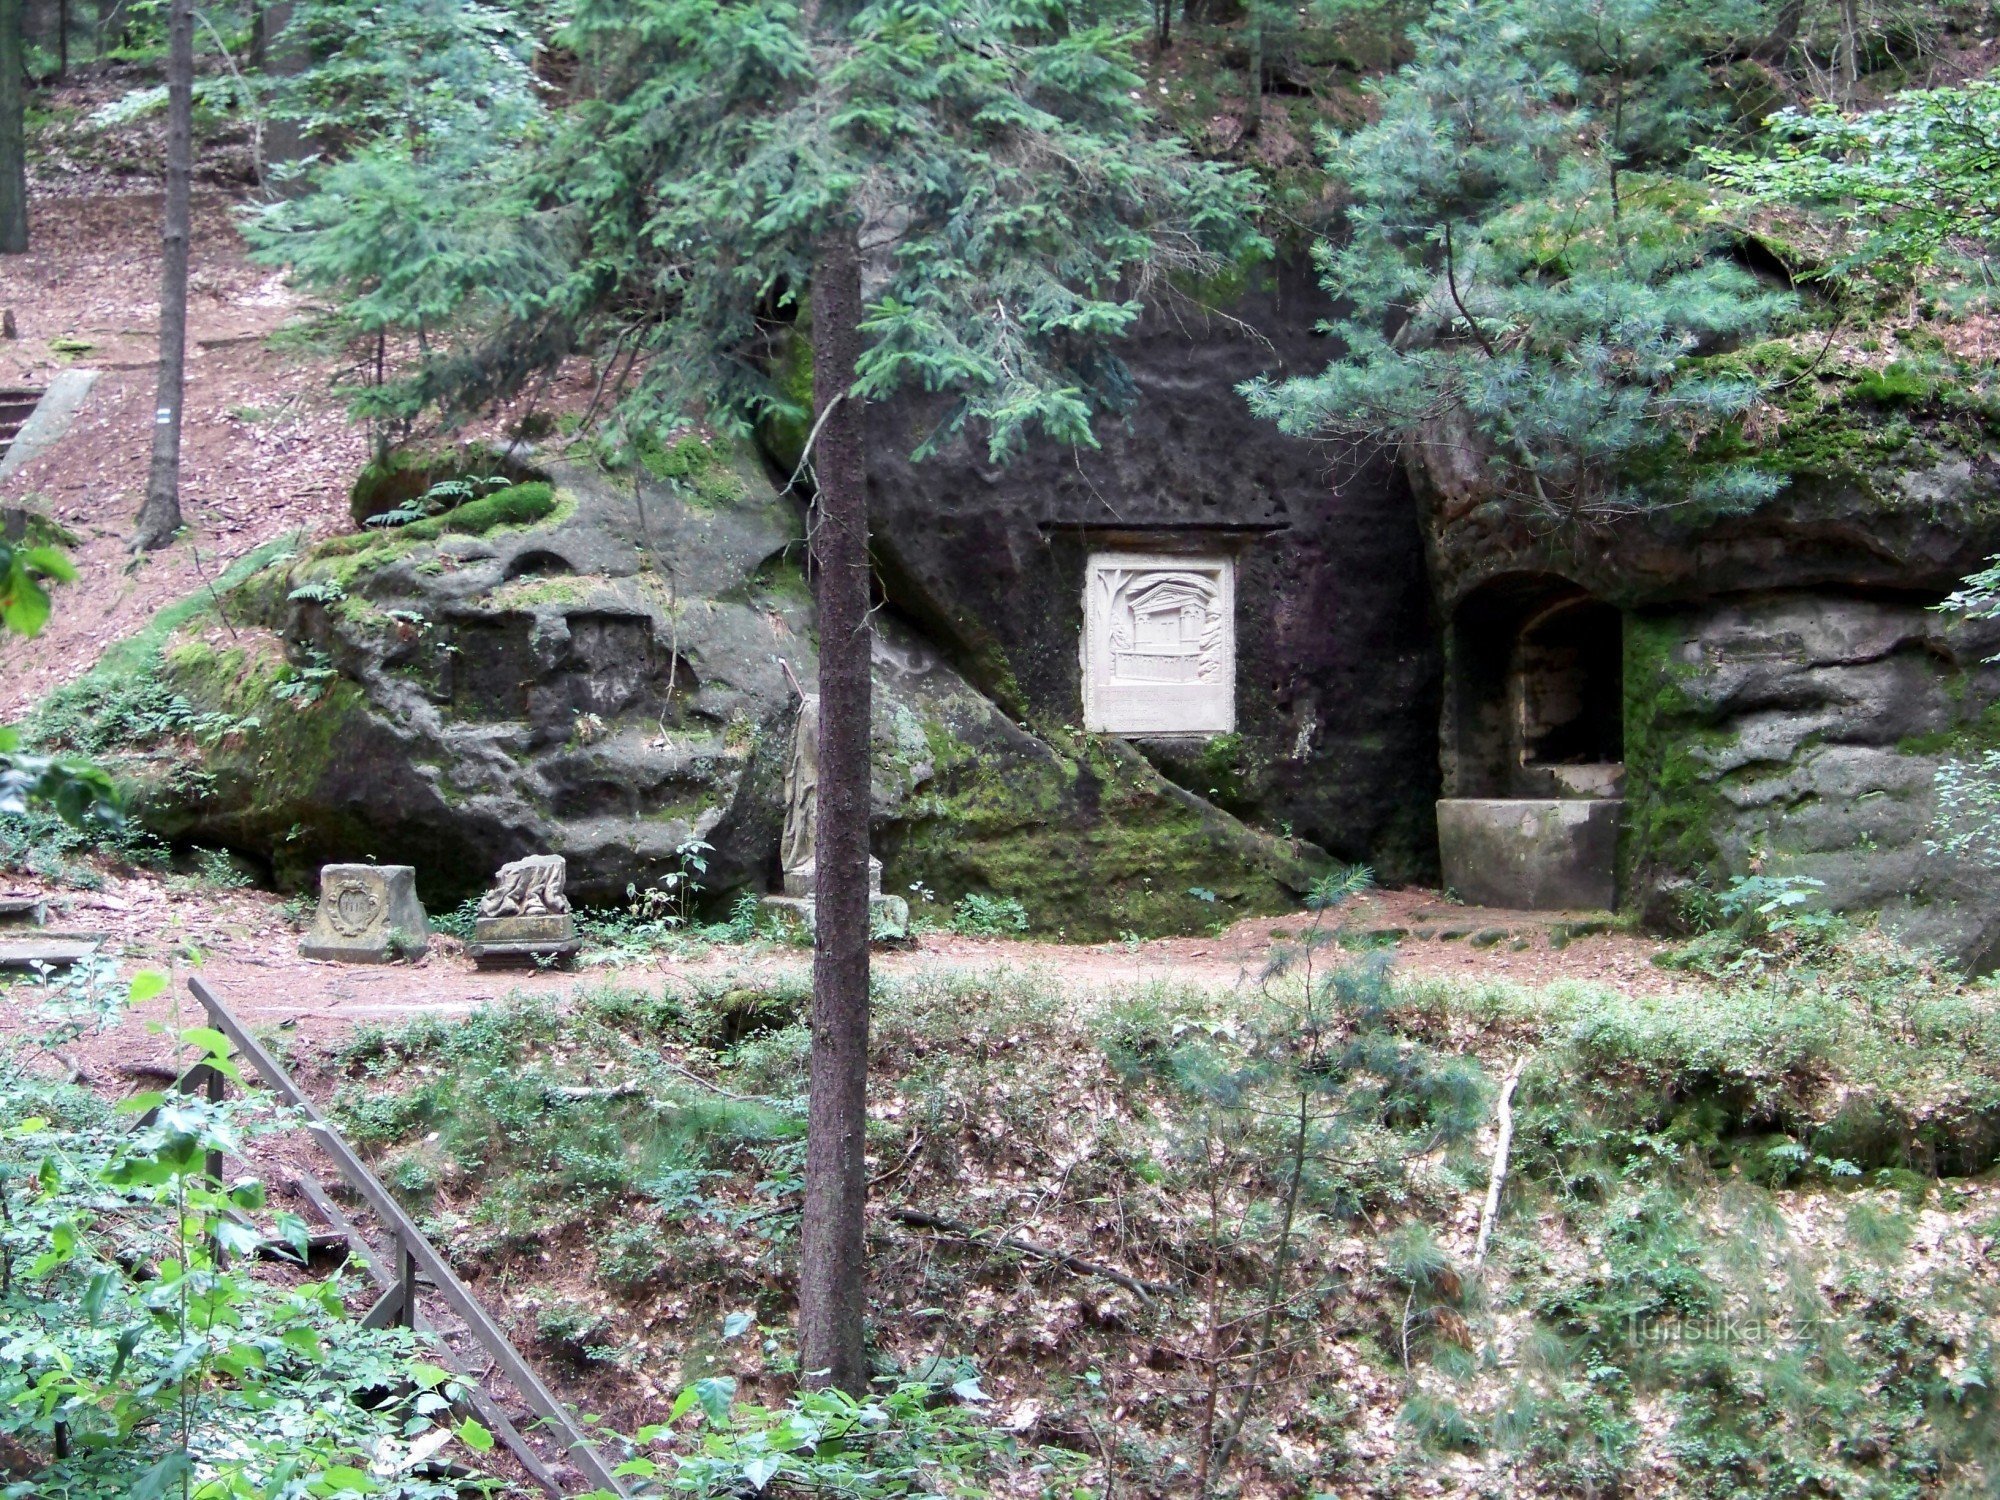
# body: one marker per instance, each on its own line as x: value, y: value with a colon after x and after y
x: 1531, y: 854
x: 888, y: 916
x: 559, y: 928
x: 23, y: 911
x: 49, y: 420
x: 526, y: 953
x: 24, y: 954
x: 1159, y: 644
x: 368, y: 914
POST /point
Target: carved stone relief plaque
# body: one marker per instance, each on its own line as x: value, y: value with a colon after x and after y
x: 1159, y: 644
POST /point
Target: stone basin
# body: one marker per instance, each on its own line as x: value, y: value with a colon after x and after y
x: 1531, y: 853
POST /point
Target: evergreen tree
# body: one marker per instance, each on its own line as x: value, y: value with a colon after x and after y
x: 1523, y: 275
x: 974, y: 198
x: 160, y: 515
x: 412, y: 215
x: 13, y: 133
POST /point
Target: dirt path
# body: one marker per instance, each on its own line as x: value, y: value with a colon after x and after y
x: 244, y: 945
x: 266, y: 450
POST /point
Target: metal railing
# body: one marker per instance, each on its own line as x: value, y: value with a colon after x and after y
x: 414, y: 1262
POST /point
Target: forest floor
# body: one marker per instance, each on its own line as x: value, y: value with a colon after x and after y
x: 1750, y: 1244
x: 1752, y: 1223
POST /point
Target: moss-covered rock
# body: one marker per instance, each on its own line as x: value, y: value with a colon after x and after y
x: 596, y: 668
x: 408, y: 474
x: 1888, y: 474
x: 1800, y: 734
x: 1081, y: 829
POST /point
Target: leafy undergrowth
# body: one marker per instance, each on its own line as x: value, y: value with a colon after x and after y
x: 162, y: 1334
x: 1749, y: 1244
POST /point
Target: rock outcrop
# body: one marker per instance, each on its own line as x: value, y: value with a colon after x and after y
x: 1337, y: 663
x: 1789, y: 693
x: 597, y: 668
x: 1801, y: 734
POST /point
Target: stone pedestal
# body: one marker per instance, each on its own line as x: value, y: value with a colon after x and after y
x: 501, y: 941
x: 1531, y: 854
x: 888, y: 916
x: 368, y: 914
x: 525, y: 918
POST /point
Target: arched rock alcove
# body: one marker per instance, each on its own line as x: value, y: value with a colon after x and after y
x: 1533, y: 746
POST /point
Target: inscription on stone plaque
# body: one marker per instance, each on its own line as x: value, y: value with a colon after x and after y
x: 1159, y: 644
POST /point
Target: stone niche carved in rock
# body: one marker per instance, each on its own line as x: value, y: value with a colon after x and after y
x: 1159, y: 644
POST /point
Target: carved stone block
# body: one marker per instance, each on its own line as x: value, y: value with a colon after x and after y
x: 803, y: 880
x: 1159, y: 644
x: 525, y: 918
x: 368, y: 914
x: 888, y: 916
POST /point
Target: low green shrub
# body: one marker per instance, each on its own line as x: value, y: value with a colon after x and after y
x: 988, y: 916
x: 141, y: 1361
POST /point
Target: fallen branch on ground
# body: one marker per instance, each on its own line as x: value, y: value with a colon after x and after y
x: 567, y: 1094
x: 1490, y: 1210
x: 1145, y: 1291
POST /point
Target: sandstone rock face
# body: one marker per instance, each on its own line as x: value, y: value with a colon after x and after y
x: 1799, y: 733
x: 1337, y: 667
x: 1788, y: 697
x: 605, y: 680
x: 1915, y: 518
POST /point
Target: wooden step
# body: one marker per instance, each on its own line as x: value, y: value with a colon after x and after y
x: 17, y: 404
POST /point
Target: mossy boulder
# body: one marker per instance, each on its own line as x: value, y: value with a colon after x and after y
x: 408, y: 474
x: 1888, y: 473
x: 595, y: 666
x: 1082, y: 830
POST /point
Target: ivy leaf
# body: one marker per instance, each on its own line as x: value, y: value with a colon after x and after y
x: 475, y: 1436
x: 338, y: 1477
x: 237, y: 1239
x: 127, y: 1342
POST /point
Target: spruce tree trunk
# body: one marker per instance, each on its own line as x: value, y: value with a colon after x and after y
x: 1253, y: 122
x: 832, y: 1289
x: 160, y: 517
x: 13, y: 134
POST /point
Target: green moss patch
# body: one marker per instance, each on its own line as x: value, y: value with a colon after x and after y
x: 1673, y: 804
x: 517, y: 505
x: 1852, y: 423
x: 690, y: 463
x: 410, y: 473
x: 1092, y: 843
